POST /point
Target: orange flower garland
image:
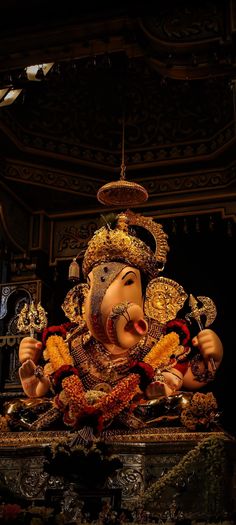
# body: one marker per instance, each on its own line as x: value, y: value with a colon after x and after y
x: 72, y: 400
x: 57, y: 352
x: 72, y: 397
x: 74, y: 390
x: 120, y: 396
x: 159, y: 355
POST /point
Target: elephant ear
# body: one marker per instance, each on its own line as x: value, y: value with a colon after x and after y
x: 73, y: 305
x: 164, y: 298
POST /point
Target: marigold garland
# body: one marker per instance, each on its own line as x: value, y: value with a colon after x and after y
x: 120, y: 396
x: 145, y: 371
x: 73, y: 402
x: 159, y: 355
x: 57, y: 352
x: 61, y: 329
x: 72, y: 399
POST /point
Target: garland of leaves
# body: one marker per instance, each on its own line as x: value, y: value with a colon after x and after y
x: 207, y: 459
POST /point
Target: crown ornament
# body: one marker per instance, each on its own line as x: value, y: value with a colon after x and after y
x: 123, y: 243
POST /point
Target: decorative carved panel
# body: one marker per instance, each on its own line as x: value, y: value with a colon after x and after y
x: 164, y: 122
x: 186, y: 23
x: 146, y: 458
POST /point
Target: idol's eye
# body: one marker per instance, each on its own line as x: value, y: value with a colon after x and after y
x: 129, y: 282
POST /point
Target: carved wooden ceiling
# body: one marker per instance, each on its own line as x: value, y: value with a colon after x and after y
x: 169, y: 70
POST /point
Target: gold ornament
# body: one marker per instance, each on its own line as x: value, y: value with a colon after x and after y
x: 123, y: 244
x: 74, y: 271
x: 73, y: 305
x: 117, y: 192
x: 164, y: 298
x: 208, y: 309
x: 32, y: 319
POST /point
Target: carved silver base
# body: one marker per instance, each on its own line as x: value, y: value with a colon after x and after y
x: 146, y: 457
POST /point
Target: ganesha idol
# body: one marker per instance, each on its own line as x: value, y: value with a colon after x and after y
x: 125, y: 347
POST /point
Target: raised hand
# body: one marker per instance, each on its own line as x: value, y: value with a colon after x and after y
x: 210, y: 347
x: 34, y: 384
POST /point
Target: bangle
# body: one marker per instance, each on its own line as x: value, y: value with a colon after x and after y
x: 199, y: 375
x: 159, y: 378
x: 173, y: 374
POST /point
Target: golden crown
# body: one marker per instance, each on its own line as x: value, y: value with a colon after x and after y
x: 123, y: 243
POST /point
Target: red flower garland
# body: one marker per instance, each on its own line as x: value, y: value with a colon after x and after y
x: 180, y: 327
x: 61, y: 329
x: 60, y: 374
x: 145, y: 372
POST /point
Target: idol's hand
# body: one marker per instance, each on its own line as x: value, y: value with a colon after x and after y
x: 157, y: 389
x: 34, y: 384
x: 29, y: 348
x: 173, y: 379
x: 210, y: 347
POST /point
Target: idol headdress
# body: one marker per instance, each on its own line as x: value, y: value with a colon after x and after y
x: 134, y: 239
x: 139, y: 242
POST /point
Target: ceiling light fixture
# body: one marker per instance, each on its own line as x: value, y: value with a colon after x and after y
x: 38, y: 72
x: 8, y: 96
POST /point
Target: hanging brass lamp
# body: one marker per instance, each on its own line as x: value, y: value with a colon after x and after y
x: 122, y: 192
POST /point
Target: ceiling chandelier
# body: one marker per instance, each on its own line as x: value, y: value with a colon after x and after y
x: 122, y: 192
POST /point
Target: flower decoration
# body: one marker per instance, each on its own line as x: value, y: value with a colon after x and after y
x: 57, y: 352
x: 145, y: 372
x: 180, y: 327
x: 60, y: 374
x: 201, y: 413
x: 165, y: 351
x: 79, y: 407
x: 9, y: 512
x: 56, y: 330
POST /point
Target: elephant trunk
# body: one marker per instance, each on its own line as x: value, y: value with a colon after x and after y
x: 125, y: 325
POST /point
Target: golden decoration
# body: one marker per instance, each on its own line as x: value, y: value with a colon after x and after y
x: 73, y: 305
x: 156, y: 231
x: 133, y: 437
x: 32, y: 319
x: 122, y: 244
x: 117, y: 192
x: 164, y: 298
x: 208, y: 309
x: 159, y: 355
